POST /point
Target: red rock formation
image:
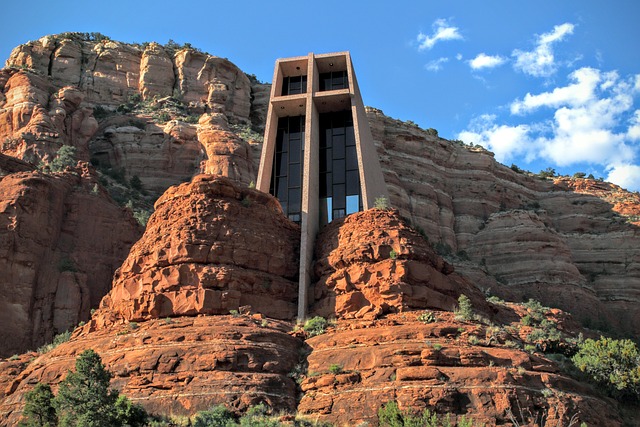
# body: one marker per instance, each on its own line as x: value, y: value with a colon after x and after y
x: 210, y: 247
x: 61, y: 238
x: 173, y: 366
x: 434, y: 366
x: 564, y: 242
x: 371, y: 263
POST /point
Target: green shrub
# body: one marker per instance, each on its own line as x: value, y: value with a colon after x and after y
x: 57, y: 340
x: 393, y: 254
x: 427, y: 317
x: 614, y: 364
x: 38, y: 409
x: 465, y: 309
x: 335, y: 369
x: 84, y: 397
x: 390, y: 415
x: 218, y: 416
x: 66, y: 264
x: 381, y: 203
x: 65, y: 157
x: 315, y: 326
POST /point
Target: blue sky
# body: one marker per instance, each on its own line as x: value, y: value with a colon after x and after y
x: 540, y: 83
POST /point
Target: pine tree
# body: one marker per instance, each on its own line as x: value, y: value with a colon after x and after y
x: 38, y: 409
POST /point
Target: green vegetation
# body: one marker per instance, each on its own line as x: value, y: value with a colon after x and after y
x: 547, y: 173
x: 612, y: 364
x: 427, y: 317
x: 443, y: 249
x: 465, y: 309
x: 390, y: 415
x: 381, y: 203
x: 57, y: 340
x: 38, y: 410
x: 65, y: 157
x: 393, y: 254
x: 315, y: 326
x: 218, y: 416
x: 66, y: 264
x: 84, y: 399
x: 335, y: 369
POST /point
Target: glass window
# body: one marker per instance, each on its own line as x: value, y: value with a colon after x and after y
x: 338, y: 146
x: 339, y: 196
x: 353, y: 183
x: 338, y: 213
x: 338, y: 171
x: 294, y: 175
x: 326, y: 211
x: 294, y: 217
x: 282, y: 162
x: 281, y: 188
x: 351, y: 136
x: 294, y: 150
x: 294, y: 199
x: 352, y: 158
x: 352, y: 204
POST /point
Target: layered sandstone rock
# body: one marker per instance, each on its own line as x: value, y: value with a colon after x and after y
x: 173, y: 366
x: 61, y: 239
x: 569, y: 242
x: 360, y: 366
x: 51, y: 104
x: 210, y: 247
x: 372, y: 263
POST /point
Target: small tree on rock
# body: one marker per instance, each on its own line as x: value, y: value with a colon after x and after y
x: 84, y: 398
x: 39, y: 410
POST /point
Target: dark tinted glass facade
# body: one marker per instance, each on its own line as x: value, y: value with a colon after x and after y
x: 286, y: 178
x: 334, y: 80
x: 294, y: 85
x: 339, y: 177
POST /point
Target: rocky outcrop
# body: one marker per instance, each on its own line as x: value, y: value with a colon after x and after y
x: 371, y: 263
x: 53, y: 86
x: 210, y: 247
x: 61, y: 239
x: 173, y: 366
x: 361, y: 365
x: 571, y: 243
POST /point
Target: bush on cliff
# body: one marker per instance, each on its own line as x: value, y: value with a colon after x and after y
x: 613, y: 364
x: 84, y: 399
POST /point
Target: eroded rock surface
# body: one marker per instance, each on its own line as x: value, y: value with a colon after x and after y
x: 360, y: 366
x: 210, y: 247
x: 173, y: 366
x: 372, y: 263
x: 60, y: 242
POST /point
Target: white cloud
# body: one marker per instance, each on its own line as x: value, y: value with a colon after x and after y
x: 592, y: 121
x: 459, y: 58
x: 586, y: 80
x: 436, y: 64
x: 441, y: 31
x: 505, y: 141
x: 626, y: 176
x: 540, y: 62
x: 633, y: 133
x: 486, y: 61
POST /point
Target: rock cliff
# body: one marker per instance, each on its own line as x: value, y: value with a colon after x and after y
x: 159, y: 115
x: 570, y: 243
x: 173, y: 349
x: 61, y: 238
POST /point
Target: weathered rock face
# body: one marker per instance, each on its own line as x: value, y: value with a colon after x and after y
x: 60, y: 242
x: 433, y: 366
x: 371, y: 263
x: 210, y: 247
x: 173, y: 366
x: 37, y: 118
x: 563, y: 242
x: 68, y: 76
